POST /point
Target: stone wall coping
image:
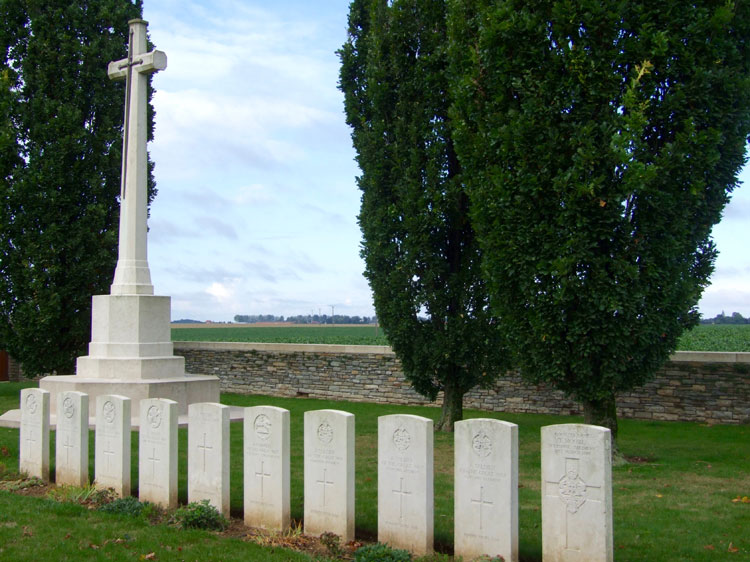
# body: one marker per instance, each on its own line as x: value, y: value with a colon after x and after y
x: 678, y: 357
x: 710, y: 357
x: 284, y: 347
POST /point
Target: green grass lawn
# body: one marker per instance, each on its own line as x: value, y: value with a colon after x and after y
x: 701, y: 338
x: 674, y: 504
x: 42, y: 529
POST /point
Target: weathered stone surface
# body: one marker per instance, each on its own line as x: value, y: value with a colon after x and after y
x: 576, y: 494
x: 72, y: 439
x: 329, y: 473
x: 131, y: 351
x: 486, y: 489
x: 34, y: 435
x: 208, y: 454
x: 266, y: 451
x: 405, y: 483
x: 375, y: 375
x: 112, y: 444
x: 157, y: 452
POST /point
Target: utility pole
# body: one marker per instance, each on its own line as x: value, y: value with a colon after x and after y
x: 332, y: 313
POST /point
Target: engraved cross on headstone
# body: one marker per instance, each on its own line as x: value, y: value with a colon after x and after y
x: 263, y: 475
x: 68, y: 446
x: 325, y: 482
x: 132, y: 275
x: 154, y: 459
x: 574, y: 493
x: 401, y: 493
x: 205, y: 448
x: 30, y: 437
x: 482, y: 501
x: 109, y: 453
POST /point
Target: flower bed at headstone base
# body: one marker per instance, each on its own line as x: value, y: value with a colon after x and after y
x: 708, y: 387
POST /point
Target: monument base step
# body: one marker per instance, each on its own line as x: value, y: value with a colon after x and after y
x: 184, y: 390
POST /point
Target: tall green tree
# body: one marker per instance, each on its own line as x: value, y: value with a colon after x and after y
x: 421, y: 255
x: 600, y: 140
x: 60, y: 157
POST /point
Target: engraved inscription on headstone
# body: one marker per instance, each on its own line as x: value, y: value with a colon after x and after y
x: 157, y: 452
x: 266, y: 461
x: 112, y: 444
x: 486, y: 489
x: 72, y: 439
x: 405, y: 482
x: 329, y: 473
x: 33, y: 458
x: 208, y: 454
x: 576, y: 493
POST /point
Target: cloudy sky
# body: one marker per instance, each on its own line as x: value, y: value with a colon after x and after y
x: 257, y: 204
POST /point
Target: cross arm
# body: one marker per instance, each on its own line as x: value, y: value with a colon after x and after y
x: 145, y: 62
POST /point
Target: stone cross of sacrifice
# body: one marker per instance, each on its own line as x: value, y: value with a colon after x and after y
x: 132, y: 275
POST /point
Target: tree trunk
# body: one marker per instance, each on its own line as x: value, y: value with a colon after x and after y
x: 604, y: 413
x: 453, y: 408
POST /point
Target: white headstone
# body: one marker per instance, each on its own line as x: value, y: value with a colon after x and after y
x: 72, y: 439
x: 266, y: 447
x: 34, y: 445
x: 112, y: 444
x: 486, y: 489
x: 405, y: 483
x: 329, y: 473
x: 208, y: 454
x: 157, y: 452
x: 576, y: 493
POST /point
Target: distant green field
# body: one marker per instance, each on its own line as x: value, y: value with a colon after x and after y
x: 338, y: 335
x: 716, y: 337
x: 702, y: 338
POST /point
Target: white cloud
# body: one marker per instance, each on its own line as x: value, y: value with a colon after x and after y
x: 221, y: 292
x: 253, y: 195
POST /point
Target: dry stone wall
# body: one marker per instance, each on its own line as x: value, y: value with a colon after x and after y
x: 703, y: 387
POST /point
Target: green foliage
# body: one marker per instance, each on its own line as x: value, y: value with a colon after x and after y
x: 602, y: 141
x: 332, y: 542
x: 60, y: 160
x: 381, y: 553
x: 129, y: 506
x: 716, y: 338
x: 735, y: 318
x: 200, y: 515
x: 421, y: 256
x: 86, y: 495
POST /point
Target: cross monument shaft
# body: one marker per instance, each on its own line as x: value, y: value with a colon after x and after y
x: 132, y: 275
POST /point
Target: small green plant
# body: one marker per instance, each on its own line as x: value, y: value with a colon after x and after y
x: 332, y: 542
x: 86, y: 495
x: 125, y: 506
x: 200, y: 515
x: 381, y: 553
x: 20, y: 484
